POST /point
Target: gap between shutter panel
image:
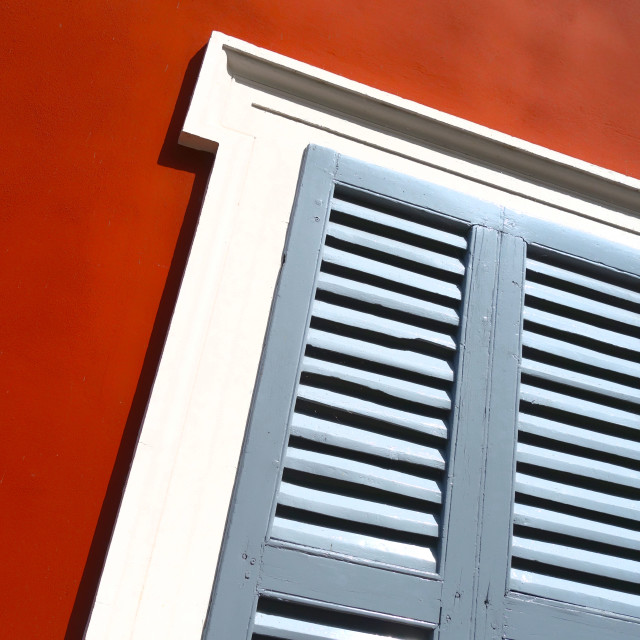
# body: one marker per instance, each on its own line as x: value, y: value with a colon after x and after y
x: 365, y: 464
x: 576, y: 521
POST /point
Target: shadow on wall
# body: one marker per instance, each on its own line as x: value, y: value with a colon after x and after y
x: 199, y: 163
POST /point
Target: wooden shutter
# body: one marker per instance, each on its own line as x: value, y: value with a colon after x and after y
x: 444, y: 438
x: 576, y: 535
x: 365, y: 463
x: 342, y: 498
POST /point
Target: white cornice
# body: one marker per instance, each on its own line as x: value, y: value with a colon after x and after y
x: 294, y: 83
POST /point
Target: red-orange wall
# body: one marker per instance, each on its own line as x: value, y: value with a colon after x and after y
x: 94, y: 194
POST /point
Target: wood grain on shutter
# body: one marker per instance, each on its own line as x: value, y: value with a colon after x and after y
x: 365, y: 462
x: 576, y: 534
x: 282, y: 620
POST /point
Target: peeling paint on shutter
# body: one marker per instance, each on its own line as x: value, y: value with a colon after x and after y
x: 576, y: 520
x: 365, y: 462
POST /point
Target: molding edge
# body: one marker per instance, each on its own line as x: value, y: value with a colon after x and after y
x: 230, y: 60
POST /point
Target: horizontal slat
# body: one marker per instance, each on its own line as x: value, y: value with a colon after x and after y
x: 527, y: 618
x: 340, y: 435
x: 323, y: 578
x: 574, y: 327
x: 394, y: 274
x: 580, y: 303
x: 579, y: 407
x: 357, y: 510
x: 321, y: 464
x: 391, y: 328
x: 422, y: 424
x: 577, y: 465
x: 586, y: 357
x: 546, y: 520
x: 565, y: 275
x: 385, y: 298
x: 580, y: 381
x: 291, y: 629
x: 398, y: 358
x: 577, y: 497
x: 395, y: 248
x: 557, y: 555
x: 390, y: 386
x: 579, y: 437
x: 575, y: 592
x: 354, y: 544
x: 393, y: 222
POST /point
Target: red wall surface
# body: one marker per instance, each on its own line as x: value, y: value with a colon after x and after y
x: 99, y: 206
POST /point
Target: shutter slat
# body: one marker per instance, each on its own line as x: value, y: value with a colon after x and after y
x: 586, y: 305
x: 330, y: 466
x: 354, y: 544
x: 401, y: 359
x: 586, y: 357
x: 576, y: 559
x: 391, y: 386
x: 577, y: 406
x: 395, y: 248
x: 385, y: 298
x: 572, y: 591
x: 577, y: 465
x: 574, y: 327
x: 565, y: 275
x: 356, y: 510
x: 580, y: 381
x: 562, y: 523
x: 419, y: 423
x: 345, y: 437
x: 392, y: 328
x: 578, y: 497
x: 290, y: 629
x: 579, y: 437
x: 393, y: 274
x: 393, y: 222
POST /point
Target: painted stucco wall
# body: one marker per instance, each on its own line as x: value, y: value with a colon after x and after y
x: 99, y: 204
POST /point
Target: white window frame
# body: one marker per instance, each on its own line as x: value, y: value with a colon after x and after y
x: 259, y: 110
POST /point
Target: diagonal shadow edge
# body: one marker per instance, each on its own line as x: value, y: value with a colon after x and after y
x: 200, y: 163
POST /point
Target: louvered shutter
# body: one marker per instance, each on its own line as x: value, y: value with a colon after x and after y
x: 444, y: 438
x: 365, y: 462
x: 576, y: 513
x: 343, y: 496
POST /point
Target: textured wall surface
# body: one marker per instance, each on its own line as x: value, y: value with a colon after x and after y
x: 98, y: 206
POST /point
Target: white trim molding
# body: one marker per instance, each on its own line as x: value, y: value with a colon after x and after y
x: 260, y: 110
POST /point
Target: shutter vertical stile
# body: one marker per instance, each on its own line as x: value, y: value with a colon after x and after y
x: 469, y: 439
x: 576, y: 520
x: 497, y: 496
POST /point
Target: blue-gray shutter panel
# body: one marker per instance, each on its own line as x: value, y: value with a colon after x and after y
x: 365, y: 463
x: 341, y: 499
x: 444, y: 438
x: 576, y: 516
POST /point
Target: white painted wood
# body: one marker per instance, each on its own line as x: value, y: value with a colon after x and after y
x: 261, y: 110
